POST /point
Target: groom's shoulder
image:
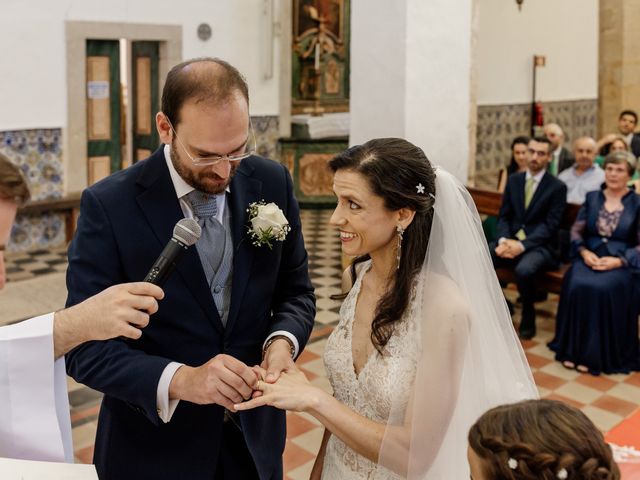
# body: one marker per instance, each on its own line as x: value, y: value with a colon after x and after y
x: 263, y: 168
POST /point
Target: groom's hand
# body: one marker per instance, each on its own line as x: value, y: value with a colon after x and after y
x: 223, y: 380
x: 277, y: 359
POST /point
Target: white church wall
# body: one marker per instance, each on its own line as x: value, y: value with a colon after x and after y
x: 33, y: 68
x: 565, y: 32
x: 411, y: 76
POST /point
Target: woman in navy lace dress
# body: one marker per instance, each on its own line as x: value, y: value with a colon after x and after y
x: 597, y: 322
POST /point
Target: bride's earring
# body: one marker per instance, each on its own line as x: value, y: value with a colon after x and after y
x: 400, y: 231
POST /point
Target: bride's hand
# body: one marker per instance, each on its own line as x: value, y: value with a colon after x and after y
x: 292, y: 391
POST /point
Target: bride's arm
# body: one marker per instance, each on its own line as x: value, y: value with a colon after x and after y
x: 441, y: 370
x: 411, y: 448
x: 293, y: 391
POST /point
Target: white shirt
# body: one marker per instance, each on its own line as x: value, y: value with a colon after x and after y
x: 34, y: 406
x: 628, y: 139
x: 579, y: 185
x: 166, y: 407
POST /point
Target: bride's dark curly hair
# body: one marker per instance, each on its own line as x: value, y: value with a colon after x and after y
x: 541, y: 437
x: 394, y: 168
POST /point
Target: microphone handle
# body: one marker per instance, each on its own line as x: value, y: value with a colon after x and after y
x: 166, y: 262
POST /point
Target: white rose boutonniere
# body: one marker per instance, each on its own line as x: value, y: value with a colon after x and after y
x: 268, y: 224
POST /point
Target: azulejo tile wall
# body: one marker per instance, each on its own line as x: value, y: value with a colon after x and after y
x: 38, y: 154
x: 267, y: 131
x: 499, y: 124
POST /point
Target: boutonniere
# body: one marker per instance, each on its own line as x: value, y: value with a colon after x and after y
x: 268, y: 224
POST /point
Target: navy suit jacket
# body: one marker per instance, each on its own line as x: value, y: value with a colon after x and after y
x: 125, y: 221
x: 541, y: 220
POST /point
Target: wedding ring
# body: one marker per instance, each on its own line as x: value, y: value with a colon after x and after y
x: 258, y: 385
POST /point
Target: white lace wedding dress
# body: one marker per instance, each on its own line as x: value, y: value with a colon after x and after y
x: 382, y: 380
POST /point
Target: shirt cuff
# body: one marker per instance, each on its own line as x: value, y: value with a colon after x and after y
x: 165, y: 406
x: 501, y: 240
x: 522, y: 245
x: 290, y: 336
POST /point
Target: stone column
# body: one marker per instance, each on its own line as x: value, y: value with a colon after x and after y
x: 619, y: 62
x: 412, y: 76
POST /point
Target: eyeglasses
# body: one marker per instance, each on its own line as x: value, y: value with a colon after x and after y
x: 215, y: 159
x: 539, y: 153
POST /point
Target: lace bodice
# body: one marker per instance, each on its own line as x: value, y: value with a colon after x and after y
x: 383, y: 379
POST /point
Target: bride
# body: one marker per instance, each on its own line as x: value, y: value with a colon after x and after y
x: 425, y: 343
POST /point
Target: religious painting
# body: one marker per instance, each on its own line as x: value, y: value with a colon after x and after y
x: 308, y: 14
x: 320, y: 64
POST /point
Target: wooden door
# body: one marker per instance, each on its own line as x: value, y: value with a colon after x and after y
x: 103, y: 108
x: 145, y: 98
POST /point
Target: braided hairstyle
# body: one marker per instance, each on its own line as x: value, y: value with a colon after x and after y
x: 540, y: 438
x: 394, y: 168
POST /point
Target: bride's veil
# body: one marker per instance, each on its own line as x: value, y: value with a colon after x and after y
x: 471, y: 359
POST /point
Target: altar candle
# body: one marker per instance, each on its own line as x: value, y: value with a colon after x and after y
x: 316, y: 65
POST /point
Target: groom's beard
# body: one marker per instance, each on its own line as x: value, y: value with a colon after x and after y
x: 198, y: 179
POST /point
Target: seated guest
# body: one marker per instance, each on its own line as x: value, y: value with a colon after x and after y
x: 584, y: 176
x: 518, y: 162
x: 618, y: 144
x: 561, y: 158
x: 627, y: 122
x: 597, y: 321
x: 538, y: 439
x: 532, y: 207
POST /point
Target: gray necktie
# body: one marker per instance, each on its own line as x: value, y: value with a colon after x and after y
x: 211, y: 244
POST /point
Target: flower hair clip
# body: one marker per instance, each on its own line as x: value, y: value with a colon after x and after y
x: 513, y: 463
x: 421, y: 190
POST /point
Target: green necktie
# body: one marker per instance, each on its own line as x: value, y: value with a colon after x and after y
x: 528, y: 191
x: 528, y: 195
x: 553, y: 168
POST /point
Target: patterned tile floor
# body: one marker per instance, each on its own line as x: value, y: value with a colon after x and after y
x: 607, y: 399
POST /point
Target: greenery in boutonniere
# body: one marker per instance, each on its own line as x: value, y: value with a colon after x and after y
x: 268, y: 224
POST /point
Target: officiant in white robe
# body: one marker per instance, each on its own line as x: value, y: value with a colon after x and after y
x: 34, y: 407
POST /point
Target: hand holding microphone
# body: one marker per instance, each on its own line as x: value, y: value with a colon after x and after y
x: 185, y: 234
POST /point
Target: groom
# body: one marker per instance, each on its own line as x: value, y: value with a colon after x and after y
x: 167, y: 411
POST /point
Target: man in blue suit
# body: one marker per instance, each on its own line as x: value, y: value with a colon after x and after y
x: 167, y: 411
x: 533, y: 204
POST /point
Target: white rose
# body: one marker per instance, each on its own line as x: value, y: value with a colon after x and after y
x: 269, y: 216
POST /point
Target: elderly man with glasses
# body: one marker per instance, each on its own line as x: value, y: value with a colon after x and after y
x: 233, y: 303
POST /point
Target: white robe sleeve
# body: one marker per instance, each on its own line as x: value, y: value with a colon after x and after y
x: 34, y: 406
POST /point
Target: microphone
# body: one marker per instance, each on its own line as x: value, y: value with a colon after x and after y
x: 185, y: 233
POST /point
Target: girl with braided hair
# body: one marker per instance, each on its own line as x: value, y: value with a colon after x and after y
x: 538, y: 439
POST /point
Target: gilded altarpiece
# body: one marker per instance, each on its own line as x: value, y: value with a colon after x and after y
x: 320, y: 56
x: 320, y: 85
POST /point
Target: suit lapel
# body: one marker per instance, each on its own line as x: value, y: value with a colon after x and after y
x: 519, y: 194
x: 244, y: 190
x: 160, y: 206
